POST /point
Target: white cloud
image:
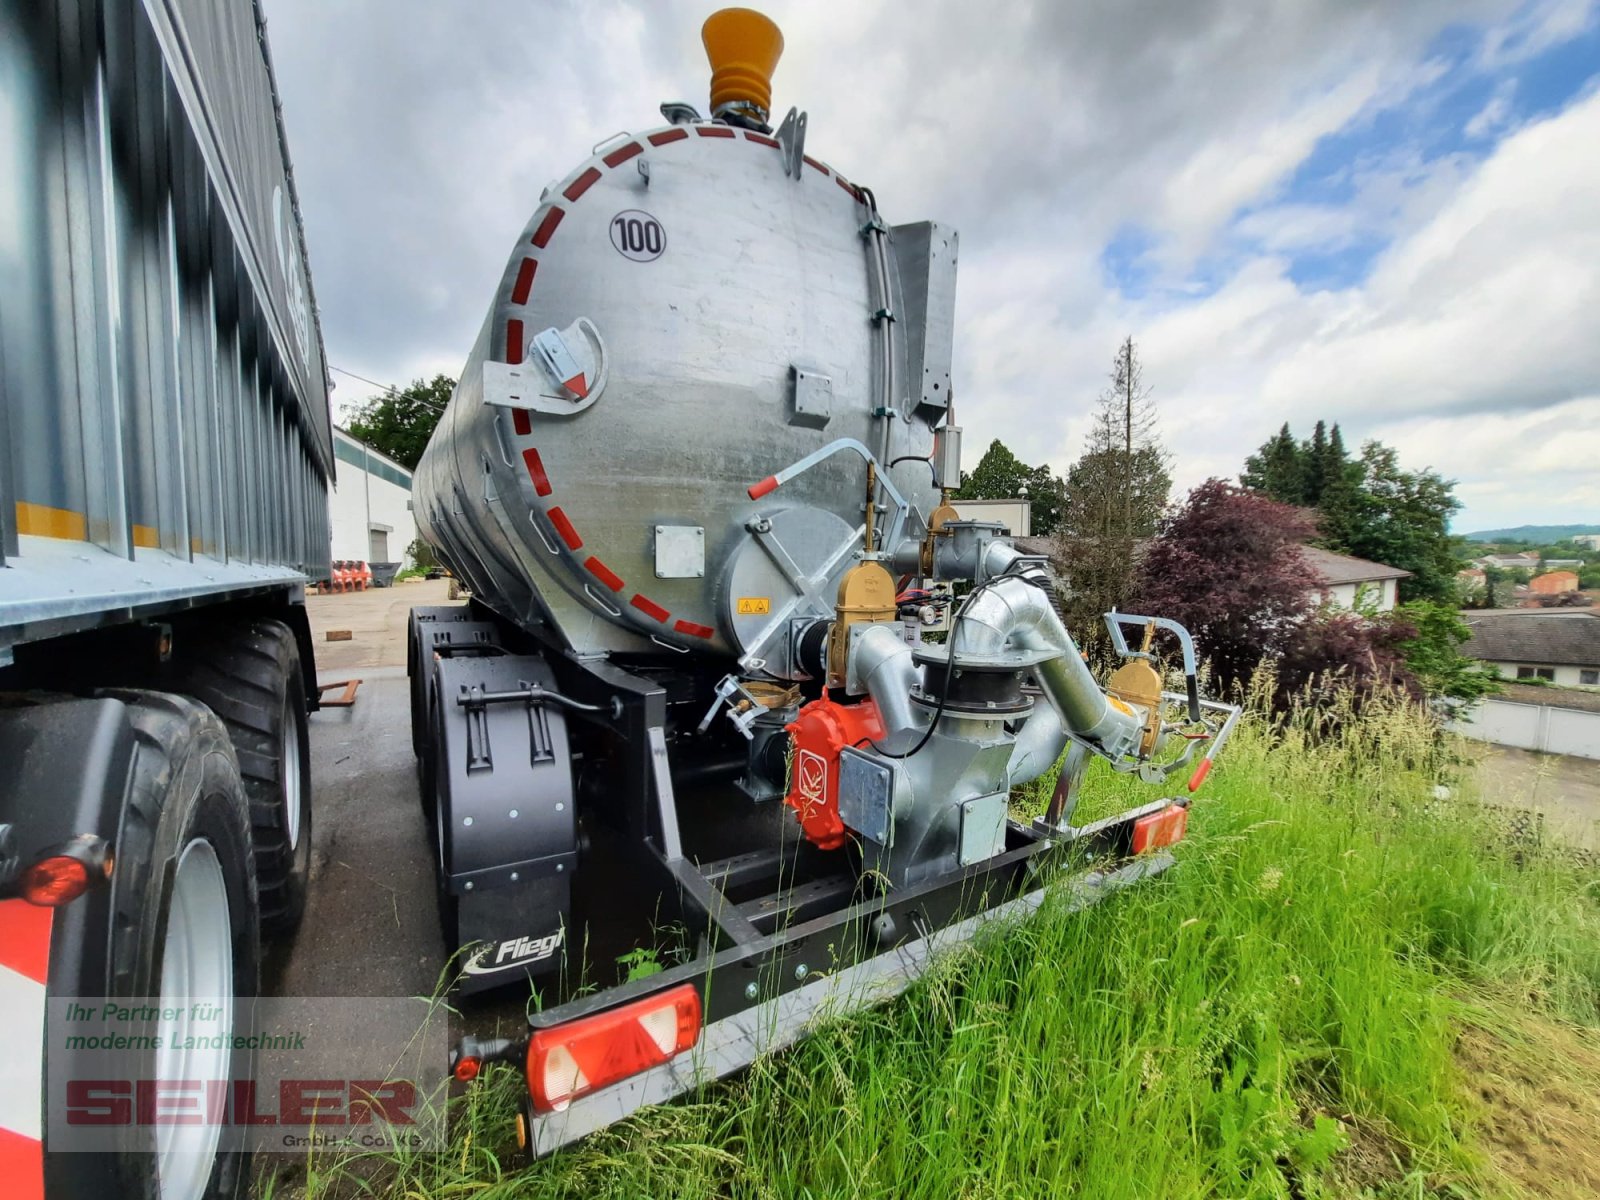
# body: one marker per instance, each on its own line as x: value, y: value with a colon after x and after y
x: 1534, y: 29
x: 1495, y: 114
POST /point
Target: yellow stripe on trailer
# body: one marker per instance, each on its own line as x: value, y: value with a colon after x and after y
x: 40, y: 520
x: 147, y: 536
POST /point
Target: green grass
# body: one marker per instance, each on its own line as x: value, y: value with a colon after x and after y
x: 1277, y: 1018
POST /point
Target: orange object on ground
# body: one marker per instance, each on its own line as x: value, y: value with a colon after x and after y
x: 822, y: 729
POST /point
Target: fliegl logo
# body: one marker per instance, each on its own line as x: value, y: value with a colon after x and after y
x: 514, y: 952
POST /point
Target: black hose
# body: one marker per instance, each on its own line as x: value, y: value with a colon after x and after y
x: 932, y: 470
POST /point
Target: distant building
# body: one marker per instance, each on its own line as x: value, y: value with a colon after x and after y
x: 1015, y: 515
x: 1471, y: 581
x: 1554, y: 582
x: 1528, y: 560
x: 370, y: 506
x: 1591, y: 540
x: 1558, y: 647
x: 1345, y: 580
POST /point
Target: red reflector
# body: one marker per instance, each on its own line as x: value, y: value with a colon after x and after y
x: 467, y: 1068
x: 580, y: 1057
x: 52, y: 882
x: 1160, y: 828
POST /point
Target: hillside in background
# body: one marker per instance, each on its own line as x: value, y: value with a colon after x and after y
x: 1543, y: 535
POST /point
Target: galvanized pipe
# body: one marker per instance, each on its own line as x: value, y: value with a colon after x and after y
x: 884, y: 666
x: 1013, y: 612
x: 1039, y: 743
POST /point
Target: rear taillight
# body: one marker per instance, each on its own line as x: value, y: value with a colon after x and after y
x: 1160, y: 828
x: 579, y: 1057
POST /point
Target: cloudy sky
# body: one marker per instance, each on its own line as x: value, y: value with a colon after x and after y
x: 1382, y: 214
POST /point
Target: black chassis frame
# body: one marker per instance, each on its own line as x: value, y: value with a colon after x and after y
x: 743, y: 962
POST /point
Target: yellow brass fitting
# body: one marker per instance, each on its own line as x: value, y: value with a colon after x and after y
x: 866, y: 594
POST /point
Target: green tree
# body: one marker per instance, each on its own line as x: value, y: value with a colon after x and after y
x: 1276, y: 470
x: 1047, y: 500
x: 399, y: 422
x: 1368, y: 507
x: 1434, y: 655
x: 1001, y: 475
x: 1402, y: 518
x: 1115, y: 496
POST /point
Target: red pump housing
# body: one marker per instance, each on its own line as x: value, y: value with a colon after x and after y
x: 822, y: 729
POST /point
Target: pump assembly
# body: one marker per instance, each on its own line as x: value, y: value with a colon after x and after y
x: 697, y: 477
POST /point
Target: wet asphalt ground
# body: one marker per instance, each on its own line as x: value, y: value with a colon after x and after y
x: 371, y: 926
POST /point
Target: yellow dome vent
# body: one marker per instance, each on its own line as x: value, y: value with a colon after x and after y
x: 744, y: 47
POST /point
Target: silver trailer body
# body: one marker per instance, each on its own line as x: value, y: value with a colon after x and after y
x: 731, y: 307
x: 164, y: 428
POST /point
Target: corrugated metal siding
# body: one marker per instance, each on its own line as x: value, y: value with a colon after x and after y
x: 161, y: 377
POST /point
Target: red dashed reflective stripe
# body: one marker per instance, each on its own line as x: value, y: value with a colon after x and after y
x: 846, y: 185
x: 617, y: 157
x: 713, y: 131
x: 668, y: 135
x: 603, y: 573
x: 541, y: 481
x: 581, y: 184
x: 811, y: 162
x: 569, y: 535
x: 541, y: 235
x: 513, y: 341
x: 520, y: 421
x: 693, y: 630
x: 762, y: 138
x: 524, y: 284
x: 650, y: 608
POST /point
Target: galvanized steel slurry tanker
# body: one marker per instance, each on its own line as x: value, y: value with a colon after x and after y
x: 696, y: 475
x: 165, y: 458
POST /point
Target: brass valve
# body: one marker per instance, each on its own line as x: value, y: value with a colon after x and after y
x: 1138, y: 683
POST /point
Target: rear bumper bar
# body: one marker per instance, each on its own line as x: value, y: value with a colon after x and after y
x: 734, y: 1042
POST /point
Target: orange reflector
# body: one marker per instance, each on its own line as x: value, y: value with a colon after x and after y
x: 1160, y: 828
x: 52, y: 882
x: 467, y: 1068
x: 580, y: 1057
x: 1200, y: 774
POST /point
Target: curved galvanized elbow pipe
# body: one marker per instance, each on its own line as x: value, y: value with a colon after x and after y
x: 1013, y: 612
x: 884, y: 665
x: 1039, y: 743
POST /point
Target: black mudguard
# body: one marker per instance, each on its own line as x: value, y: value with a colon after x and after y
x: 506, y: 817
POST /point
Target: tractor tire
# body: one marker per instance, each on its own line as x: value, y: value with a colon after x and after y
x: 250, y: 676
x: 184, y: 925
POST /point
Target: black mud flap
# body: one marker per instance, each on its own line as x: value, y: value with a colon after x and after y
x: 506, y: 818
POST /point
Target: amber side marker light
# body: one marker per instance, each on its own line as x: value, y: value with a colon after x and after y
x: 64, y: 872
x: 54, y: 881
x: 573, y: 1059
